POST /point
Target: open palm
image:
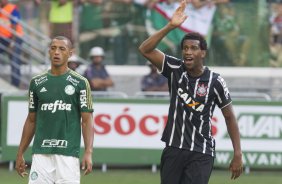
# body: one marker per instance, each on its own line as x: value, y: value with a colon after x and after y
x: 179, y: 15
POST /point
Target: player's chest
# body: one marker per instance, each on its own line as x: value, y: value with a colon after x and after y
x: 197, y: 89
x: 56, y: 90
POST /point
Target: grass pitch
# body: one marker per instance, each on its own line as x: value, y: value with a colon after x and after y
x: 145, y: 176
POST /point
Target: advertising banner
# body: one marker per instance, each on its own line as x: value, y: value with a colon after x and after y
x: 129, y: 131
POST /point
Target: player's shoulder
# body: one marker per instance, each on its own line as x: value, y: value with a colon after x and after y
x: 219, y: 80
x: 208, y: 72
x: 173, y: 62
x: 40, y: 78
x: 172, y: 58
x: 43, y: 74
x: 77, y: 76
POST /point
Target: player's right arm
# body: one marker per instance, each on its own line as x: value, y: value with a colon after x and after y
x: 27, y: 135
x: 28, y: 129
x: 148, y: 47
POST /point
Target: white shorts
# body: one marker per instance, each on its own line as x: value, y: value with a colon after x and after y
x: 58, y: 169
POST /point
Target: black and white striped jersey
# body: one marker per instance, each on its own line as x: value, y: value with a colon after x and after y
x: 192, y: 102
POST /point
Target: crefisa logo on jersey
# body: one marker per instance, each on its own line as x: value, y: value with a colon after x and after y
x: 69, y: 90
x: 202, y: 90
x: 57, y: 105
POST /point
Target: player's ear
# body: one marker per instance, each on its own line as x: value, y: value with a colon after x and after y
x: 70, y: 53
x: 203, y: 53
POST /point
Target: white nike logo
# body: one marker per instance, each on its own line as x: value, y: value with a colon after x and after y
x: 43, y: 89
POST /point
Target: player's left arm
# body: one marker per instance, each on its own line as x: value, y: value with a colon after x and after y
x: 88, y: 136
x: 86, y: 110
x: 236, y: 165
x: 224, y: 102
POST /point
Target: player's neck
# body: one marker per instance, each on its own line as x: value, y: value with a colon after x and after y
x: 196, y: 72
x: 56, y: 71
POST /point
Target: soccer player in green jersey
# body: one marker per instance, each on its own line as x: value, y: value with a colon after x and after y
x: 60, y: 106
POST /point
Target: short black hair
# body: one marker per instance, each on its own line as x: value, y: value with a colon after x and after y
x: 69, y: 43
x: 195, y: 36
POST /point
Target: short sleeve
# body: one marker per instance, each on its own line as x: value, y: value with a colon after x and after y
x: 169, y: 64
x: 222, y: 94
x: 85, y: 97
x: 33, y: 100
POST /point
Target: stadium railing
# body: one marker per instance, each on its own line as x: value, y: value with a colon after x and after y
x: 151, y: 94
x: 256, y: 96
x: 109, y: 94
x: 279, y: 97
x: 34, y: 51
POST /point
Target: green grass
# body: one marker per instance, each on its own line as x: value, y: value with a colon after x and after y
x: 147, y: 177
x: 255, y: 177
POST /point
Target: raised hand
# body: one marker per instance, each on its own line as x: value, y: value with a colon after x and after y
x: 179, y: 15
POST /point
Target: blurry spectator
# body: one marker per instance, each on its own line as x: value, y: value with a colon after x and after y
x: 61, y: 18
x: 228, y: 38
x: 90, y: 22
x: 121, y: 11
x: 139, y: 32
x: 204, y: 6
x: 201, y: 3
x: 11, y: 41
x: 92, y: 1
x: 276, y: 34
x: 30, y: 12
x: 74, y: 62
x: 200, y: 13
x: 153, y: 81
x: 96, y: 72
x: 276, y: 24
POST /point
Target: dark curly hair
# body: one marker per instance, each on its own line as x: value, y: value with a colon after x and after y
x: 195, y: 36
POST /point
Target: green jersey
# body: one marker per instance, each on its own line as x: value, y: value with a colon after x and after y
x: 58, y: 102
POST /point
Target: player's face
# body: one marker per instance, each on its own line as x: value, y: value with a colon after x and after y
x: 59, y: 52
x: 192, y: 54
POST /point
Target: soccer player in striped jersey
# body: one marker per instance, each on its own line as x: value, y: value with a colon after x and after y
x: 60, y: 107
x: 195, y: 90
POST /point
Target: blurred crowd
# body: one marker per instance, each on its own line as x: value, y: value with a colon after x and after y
x: 239, y: 33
